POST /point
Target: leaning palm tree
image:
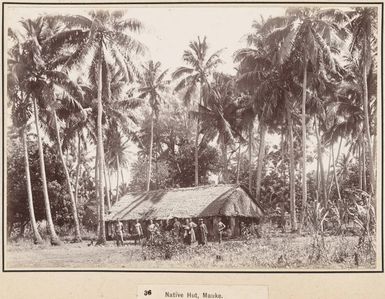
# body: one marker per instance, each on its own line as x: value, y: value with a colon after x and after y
x: 152, y: 84
x: 49, y: 79
x: 36, y: 79
x: 195, y: 75
x: 21, y: 114
x: 72, y: 106
x: 104, y: 39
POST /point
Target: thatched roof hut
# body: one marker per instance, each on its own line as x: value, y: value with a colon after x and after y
x: 210, y: 202
x: 203, y: 201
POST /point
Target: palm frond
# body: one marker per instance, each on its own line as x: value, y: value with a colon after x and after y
x: 73, y: 21
x: 181, y: 71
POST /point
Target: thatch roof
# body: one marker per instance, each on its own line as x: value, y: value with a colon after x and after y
x: 202, y: 201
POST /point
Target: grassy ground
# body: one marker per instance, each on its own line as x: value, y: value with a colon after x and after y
x: 273, y: 251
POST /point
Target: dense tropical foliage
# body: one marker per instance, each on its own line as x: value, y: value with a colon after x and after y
x: 296, y: 124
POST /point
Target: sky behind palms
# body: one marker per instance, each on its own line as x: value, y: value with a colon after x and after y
x: 168, y: 29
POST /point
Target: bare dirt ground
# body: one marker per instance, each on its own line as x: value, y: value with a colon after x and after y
x: 277, y: 252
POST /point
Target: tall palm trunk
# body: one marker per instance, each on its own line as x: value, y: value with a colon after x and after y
x: 102, y: 232
x: 335, y: 174
x: 117, y: 177
x: 293, y: 217
x: 359, y: 166
x: 109, y: 183
x: 150, y: 153
x: 321, y: 167
x: 121, y: 174
x: 372, y: 182
x: 68, y: 180
x: 238, y: 163
x: 261, y: 155
x: 54, y: 238
x: 196, y: 153
x: 224, y: 160
x: 36, y: 235
x: 364, y: 181
x: 250, y: 150
x: 303, y: 120
x: 107, y: 186
x: 78, y: 170
x: 97, y: 188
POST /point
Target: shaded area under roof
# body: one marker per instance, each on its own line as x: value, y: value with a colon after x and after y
x: 202, y: 201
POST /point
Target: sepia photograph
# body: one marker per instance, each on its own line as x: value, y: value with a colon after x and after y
x: 192, y: 137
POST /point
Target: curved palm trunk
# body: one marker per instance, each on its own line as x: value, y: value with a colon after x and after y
x: 36, y: 235
x: 68, y: 180
x: 150, y: 153
x: 250, y: 162
x: 54, y: 238
x: 261, y: 155
x: 121, y: 174
x: 293, y: 217
x: 102, y: 232
x: 303, y: 120
x: 117, y: 177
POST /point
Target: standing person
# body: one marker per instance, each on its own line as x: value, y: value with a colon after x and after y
x: 157, y: 228
x: 176, y: 228
x: 186, y: 232
x: 138, y: 231
x: 221, y: 228
x: 189, y: 233
x: 202, y: 232
x: 192, y: 226
x: 151, y: 231
x: 119, y: 232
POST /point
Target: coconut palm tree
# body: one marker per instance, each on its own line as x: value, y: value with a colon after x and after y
x: 363, y: 25
x: 152, y: 84
x: 37, y: 80
x: 219, y: 118
x: 51, y: 78
x: 116, y: 155
x: 21, y: 114
x: 104, y: 38
x: 262, y: 76
x: 307, y: 38
x: 196, y: 74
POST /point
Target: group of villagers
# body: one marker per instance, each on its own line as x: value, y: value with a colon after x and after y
x: 189, y: 232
